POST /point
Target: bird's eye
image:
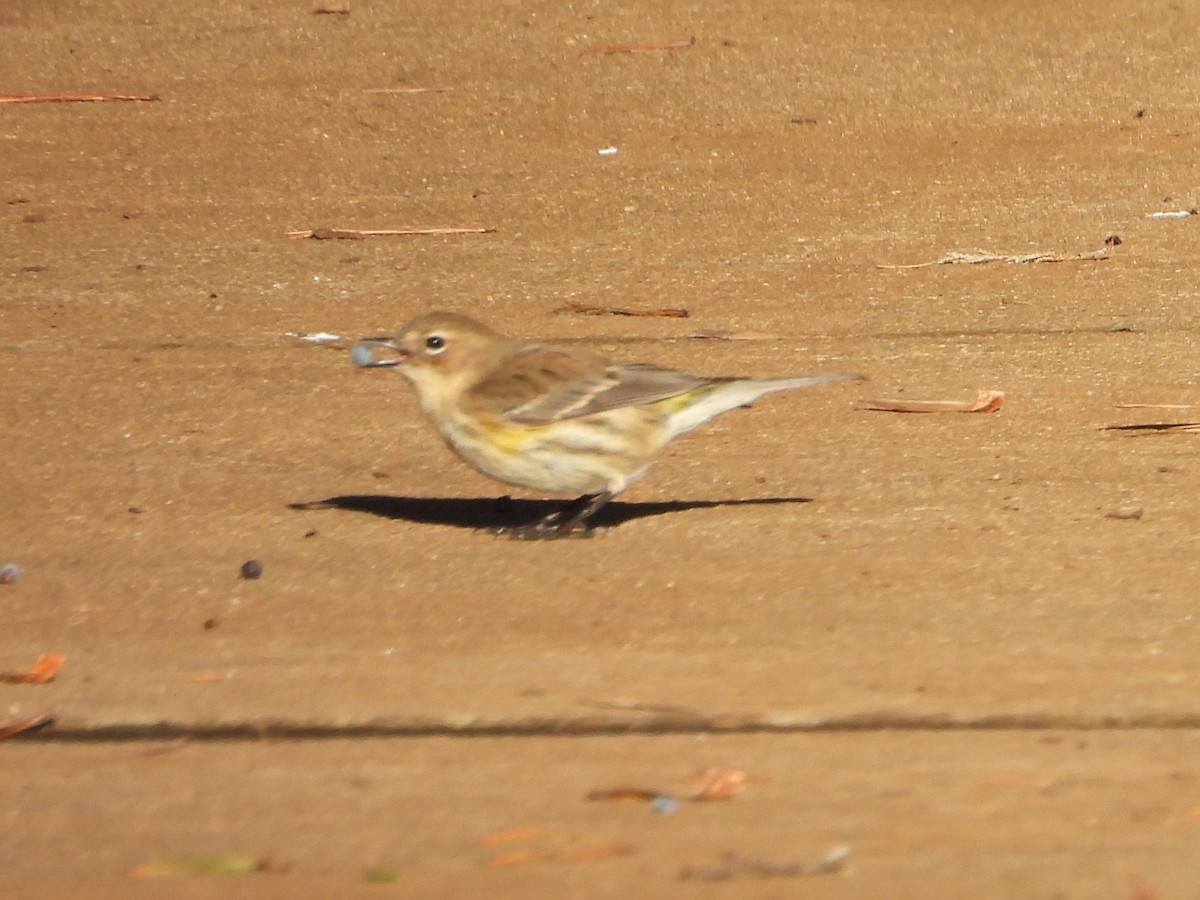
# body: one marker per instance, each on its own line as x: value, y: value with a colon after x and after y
x: 435, y: 343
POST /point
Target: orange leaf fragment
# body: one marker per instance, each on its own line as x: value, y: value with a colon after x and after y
x: 575, y: 853
x: 44, y: 668
x: 512, y: 835
x: 551, y: 846
x: 595, y: 851
x: 517, y: 857
x: 209, y: 677
x: 987, y: 401
x: 1141, y: 889
x: 718, y: 784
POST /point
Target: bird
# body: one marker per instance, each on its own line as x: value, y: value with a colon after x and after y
x: 553, y: 418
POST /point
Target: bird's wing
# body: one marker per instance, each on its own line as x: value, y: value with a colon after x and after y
x: 635, y: 383
x: 539, y: 385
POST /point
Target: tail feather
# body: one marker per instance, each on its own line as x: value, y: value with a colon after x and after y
x: 723, y: 395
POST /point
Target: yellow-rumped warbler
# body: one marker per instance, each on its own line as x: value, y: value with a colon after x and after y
x: 555, y: 418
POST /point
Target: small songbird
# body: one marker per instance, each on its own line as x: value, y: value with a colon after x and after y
x: 554, y: 418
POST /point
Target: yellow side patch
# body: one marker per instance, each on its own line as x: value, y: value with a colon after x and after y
x: 512, y: 438
x: 680, y: 401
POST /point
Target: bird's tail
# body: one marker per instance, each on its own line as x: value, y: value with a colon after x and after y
x: 723, y: 394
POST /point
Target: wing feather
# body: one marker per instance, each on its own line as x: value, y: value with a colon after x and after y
x: 538, y: 385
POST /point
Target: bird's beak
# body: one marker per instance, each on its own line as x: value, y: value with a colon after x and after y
x: 363, y: 353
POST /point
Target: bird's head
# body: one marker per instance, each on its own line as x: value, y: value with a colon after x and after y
x: 435, y: 351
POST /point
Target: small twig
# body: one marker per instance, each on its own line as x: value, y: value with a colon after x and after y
x: 647, y: 795
x: 661, y: 709
x: 319, y: 337
x: 735, y: 865
x: 986, y: 402
x: 1155, y: 405
x: 40, y: 721
x: 607, y: 49
x: 407, y: 90
x: 709, y: 335
x: 1192, y: 427
x: 354, y: 234
x: 582, y: 309
x: 978, y: 257
x: 73, y: 98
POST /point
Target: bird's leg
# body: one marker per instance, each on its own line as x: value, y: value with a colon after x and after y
x: 561, y: 522
x: 590, y: 504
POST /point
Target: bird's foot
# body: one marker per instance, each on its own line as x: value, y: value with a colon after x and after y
x: 570, y: 521
x: 543, y: 531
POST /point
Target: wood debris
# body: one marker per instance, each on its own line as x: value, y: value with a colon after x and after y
x: 576, y: 853
x: 512, y: 835
x: 641, y: 795
x: 207, y: 865
x: 9, y: 729
x: 316, y: 337
x: 987, y: 401
x: 709, y: 335
x: 714, y: 783
x: 1045, y: 785
x: 734, y: 865
x: 550, y: 845
x: 979, y: 257
x: 210, y: 677
x: 583, y: 309
x: 357, y: 234
x: 1141, y: 889
x: 609, y: 49
x: 1155, y: 405
x: 407, y: 90
x: 662, y: 709
x: 1156, y: 427
x: 74, y: 98
x: 659, y: 801
x: 718, y: 784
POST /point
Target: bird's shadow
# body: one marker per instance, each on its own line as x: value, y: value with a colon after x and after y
x: 505, y: 512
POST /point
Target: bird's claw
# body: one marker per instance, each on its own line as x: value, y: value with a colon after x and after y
x: 542, y: 530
